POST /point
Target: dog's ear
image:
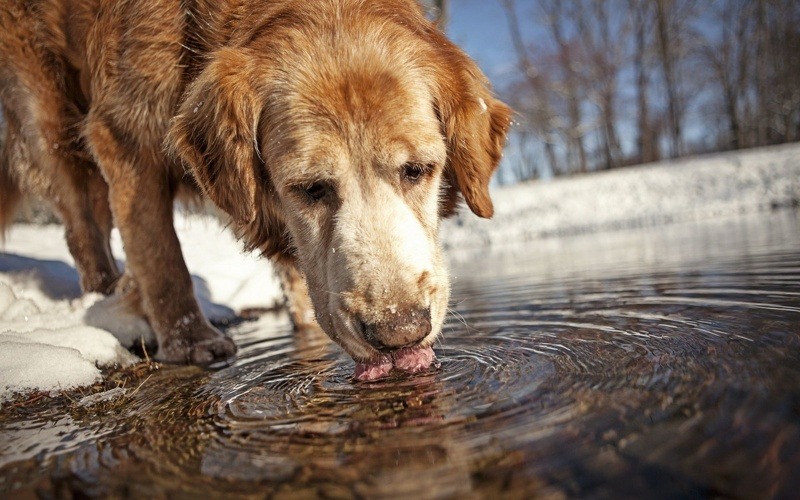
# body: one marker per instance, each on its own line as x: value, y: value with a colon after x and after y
x: 475, y: 125
x: 214, y: 134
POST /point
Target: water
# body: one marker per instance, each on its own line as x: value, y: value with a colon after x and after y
x: 662, y: 363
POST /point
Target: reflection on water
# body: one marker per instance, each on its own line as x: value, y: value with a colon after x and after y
x: 659, y: 363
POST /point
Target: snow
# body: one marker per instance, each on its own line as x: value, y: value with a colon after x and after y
x: 226, y: 279
x: 53, y: 338
x: 686, y: 190
x: 44, y: 344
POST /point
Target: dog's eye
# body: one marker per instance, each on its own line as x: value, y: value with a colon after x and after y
x: 414, y: 172
x: 316, y: 191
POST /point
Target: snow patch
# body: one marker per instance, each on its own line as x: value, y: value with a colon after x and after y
x: 27, y: 366
x: 44, y: 346
x: 111, y: 314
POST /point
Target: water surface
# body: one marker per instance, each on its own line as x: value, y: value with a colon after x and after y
x: 658, y: 362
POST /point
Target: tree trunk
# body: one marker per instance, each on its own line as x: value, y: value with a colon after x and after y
x: 645, y: 146
x: 665, y: 40
x: 762, y: 50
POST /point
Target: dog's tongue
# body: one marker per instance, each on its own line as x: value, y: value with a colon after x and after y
x: 407, y: 360
x: 374, y: 370
x: 413, y: 360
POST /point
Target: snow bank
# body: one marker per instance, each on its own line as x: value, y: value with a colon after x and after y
x: 690, y: 189
x: 46, y: 342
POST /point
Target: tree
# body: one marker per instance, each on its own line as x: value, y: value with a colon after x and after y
x: 602, y: 34
x: 762, y: 52
x: 646, y: 132
x: 666, y: 69
x: 438, y: 11
x: 778, y: 76
x: 570, y: 84
x: 728, y: 58
x: 443, y: 8
x: 667, y: 38
x: 539, y: 113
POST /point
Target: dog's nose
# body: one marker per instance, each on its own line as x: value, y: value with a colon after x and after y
x: 399, y: 329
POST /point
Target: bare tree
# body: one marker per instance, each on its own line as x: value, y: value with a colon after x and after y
x: 647, y: 135
x: 438, y: 11
x: 539, y: 113
x: 728, y: 57
x: 443, y: 6
x: 602, y: 35
x: 762, y: 51
x: 555, y: 16
x: 726, y: 67
x: 666, y: 42
x: 779, y: 91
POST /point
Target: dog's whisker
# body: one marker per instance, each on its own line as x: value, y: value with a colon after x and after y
x: 459, y: 317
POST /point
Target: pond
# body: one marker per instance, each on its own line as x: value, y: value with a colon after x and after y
x: 661, y: 362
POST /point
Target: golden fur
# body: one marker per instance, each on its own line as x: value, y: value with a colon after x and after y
x: 335, y: 133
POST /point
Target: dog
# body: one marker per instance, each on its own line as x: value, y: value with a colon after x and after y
x: 336, y: 134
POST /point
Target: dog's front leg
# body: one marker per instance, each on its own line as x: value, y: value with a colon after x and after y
x: 142, y: 203
x: 295, y: 291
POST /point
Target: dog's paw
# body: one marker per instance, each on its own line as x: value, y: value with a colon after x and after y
x: 213, y: 353
x: 208, y: 349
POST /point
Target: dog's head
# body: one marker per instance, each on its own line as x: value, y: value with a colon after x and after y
x: 347, y: 131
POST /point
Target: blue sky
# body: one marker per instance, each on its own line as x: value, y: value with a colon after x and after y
x: 480, y: 28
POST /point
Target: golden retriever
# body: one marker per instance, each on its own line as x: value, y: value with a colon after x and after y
x: 335, y: 133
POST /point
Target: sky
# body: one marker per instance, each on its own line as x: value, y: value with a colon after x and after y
x: 481, y: 29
